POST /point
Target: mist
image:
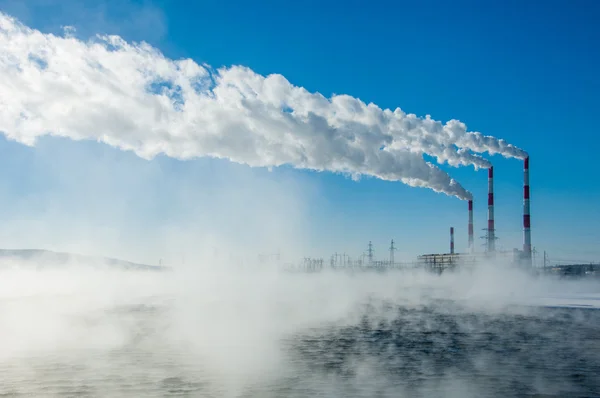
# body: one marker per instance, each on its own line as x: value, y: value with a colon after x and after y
x: 220, y: 322
x: 216, y: 320
x: 219, y: 329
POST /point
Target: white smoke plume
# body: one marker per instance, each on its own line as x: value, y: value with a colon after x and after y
x: 478, y: 142
x: 132, y: 97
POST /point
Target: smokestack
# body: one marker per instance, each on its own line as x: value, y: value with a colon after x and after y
x: 526, y: 215
x: 451, y: 240
x: 491, y: 235
x: 470, y: 226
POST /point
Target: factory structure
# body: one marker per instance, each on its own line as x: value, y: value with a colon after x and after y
x: 440, y: 262
x: 520, y: 257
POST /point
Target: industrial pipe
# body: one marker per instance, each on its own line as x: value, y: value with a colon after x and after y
x: 526, y: 212
x: 491, y: 235
x: 471, y: 226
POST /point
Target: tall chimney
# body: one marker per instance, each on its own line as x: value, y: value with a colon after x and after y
x: 451, y: 240
x: 471, y: 226
x: 526, y: 215
x: 491, y: 235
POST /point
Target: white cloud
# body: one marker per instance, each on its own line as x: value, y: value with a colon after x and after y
x: 132, y: 97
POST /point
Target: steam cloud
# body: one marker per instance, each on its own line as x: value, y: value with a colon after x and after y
x: 132, y: 97
x: 84, y: 328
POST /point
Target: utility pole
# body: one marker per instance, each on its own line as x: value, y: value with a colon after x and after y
x: 392, y: 250
x: 370, y: 252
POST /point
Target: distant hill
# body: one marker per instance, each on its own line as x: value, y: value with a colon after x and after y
x: 49, y: 259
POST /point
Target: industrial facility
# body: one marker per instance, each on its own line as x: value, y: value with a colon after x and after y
x: 440, y: 262
x: 518, y: 257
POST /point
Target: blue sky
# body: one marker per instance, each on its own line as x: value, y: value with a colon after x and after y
x: 522, y: 71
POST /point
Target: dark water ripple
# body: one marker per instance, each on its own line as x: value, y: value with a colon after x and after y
x: 547, y: 352
x: 439, y: 350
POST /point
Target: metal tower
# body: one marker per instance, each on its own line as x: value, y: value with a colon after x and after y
x: 392, y: 250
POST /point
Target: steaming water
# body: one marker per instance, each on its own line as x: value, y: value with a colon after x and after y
x: 150, y: 334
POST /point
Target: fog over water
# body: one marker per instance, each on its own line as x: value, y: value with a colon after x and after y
x: 218, y: 323
x: 228, y: 331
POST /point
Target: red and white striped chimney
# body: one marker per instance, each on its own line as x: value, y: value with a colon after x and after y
x: 471, y: 226
x: 451, y: 240
x: 526, y: 209
x: 491, y: 235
